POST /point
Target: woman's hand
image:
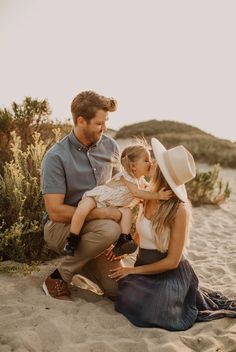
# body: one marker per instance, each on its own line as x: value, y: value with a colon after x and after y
x: 111, y: 256
x: 119, y: 273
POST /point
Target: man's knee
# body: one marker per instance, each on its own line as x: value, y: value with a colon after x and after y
x: 55, y: 235
x: 108, y: 230
x: 111, y: 231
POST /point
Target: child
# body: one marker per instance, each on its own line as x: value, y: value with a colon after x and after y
x: 119, y: 192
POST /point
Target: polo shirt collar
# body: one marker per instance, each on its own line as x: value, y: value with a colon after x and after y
x: 74, y: 140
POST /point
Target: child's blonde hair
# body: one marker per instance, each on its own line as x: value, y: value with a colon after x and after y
x: 132, y: 153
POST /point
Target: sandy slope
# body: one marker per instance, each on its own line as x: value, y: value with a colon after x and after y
x: 30, y: 321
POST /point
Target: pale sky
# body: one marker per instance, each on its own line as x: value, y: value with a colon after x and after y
x: 169, y: 59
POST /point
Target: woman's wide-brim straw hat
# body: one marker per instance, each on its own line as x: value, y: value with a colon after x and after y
x: 177, y: 166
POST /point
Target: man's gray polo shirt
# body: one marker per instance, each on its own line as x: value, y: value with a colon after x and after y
x: 70, y: 168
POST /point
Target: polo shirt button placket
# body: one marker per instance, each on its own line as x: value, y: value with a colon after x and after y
x: 93, y: 168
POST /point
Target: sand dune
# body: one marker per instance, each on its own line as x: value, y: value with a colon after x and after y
x: 32, y: 322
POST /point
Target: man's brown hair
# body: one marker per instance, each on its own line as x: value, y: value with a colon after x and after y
x: 87, y: 103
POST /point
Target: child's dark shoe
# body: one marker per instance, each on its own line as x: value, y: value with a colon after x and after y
x: 71, y: 244
x: 124, y: 245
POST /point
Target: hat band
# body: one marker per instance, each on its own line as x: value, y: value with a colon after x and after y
x: 177, y: 181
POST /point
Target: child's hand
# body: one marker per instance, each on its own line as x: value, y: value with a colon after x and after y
x: 165, y: 194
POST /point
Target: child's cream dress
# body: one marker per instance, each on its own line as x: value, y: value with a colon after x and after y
x: 114, y: 196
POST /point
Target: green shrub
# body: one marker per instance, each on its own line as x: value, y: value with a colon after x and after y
x: 21, y: 203
x: 208, y: 188
x: 26, y: 118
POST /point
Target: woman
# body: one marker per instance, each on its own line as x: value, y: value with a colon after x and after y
x: 161, y: 290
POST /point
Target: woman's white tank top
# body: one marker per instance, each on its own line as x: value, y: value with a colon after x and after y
x: 147, y: 236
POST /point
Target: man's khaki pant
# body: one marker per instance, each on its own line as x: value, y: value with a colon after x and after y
x: 89, y: 259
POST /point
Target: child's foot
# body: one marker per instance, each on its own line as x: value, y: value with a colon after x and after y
x: 124, y: 245
x: 71, y: 244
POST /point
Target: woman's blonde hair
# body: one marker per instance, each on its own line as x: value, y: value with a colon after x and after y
x: 165, y: 214
x: 132, y: 153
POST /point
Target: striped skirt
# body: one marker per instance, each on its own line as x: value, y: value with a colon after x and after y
x: 171, y: 300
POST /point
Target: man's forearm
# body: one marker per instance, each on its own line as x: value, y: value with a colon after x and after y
x: 62, y: 213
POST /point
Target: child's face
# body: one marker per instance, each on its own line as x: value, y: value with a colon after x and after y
x: 141, y: 166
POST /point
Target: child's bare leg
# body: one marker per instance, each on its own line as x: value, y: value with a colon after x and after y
x: 126, y: 220
x: 83, y: 209
x: 125, y: 243
x: 78, y: 219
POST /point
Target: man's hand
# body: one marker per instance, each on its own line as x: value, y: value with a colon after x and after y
x: 109, y: 213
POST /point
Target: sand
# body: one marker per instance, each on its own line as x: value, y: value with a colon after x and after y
x: 31, y: 321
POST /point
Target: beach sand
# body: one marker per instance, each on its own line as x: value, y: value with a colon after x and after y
x: 33, y: 322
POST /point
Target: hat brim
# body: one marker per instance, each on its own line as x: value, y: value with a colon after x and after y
x: 159, y: 152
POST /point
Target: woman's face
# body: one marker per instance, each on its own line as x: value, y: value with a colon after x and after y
x: 153, y: 170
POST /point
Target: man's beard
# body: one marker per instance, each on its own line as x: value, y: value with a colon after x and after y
x: 92, y: 137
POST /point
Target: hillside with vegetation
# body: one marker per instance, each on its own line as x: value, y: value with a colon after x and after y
x: 204, y: 146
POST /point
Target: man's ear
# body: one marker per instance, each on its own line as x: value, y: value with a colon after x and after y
x: 80, y: 120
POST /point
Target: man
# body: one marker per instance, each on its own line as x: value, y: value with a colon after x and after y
x: 79, y: 162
